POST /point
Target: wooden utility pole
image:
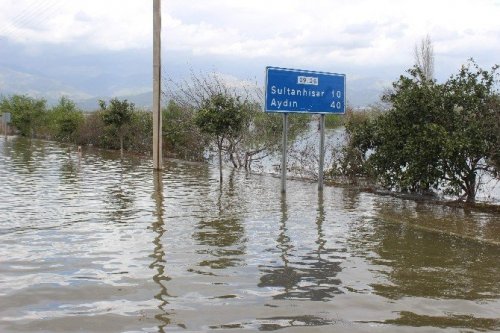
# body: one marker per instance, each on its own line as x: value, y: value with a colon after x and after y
x: 157, y: 125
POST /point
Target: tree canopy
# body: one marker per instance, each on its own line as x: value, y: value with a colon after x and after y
x: 434, y: 136
x: 117, y: 115
x: 27, y: 113
x: 222, y: 117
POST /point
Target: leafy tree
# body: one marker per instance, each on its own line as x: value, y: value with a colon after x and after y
x: 141, y: 125
x: 118, y: 116
x: 181, y: 136
x: 351, y: 159
x: 64, y: 120
x: 222, y: 118
x: 435, y: 135
x: 471, y: 122
x: 409, y: 138
x: 27, y: 113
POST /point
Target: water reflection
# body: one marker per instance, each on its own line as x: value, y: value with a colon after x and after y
x: 70, y: 170
x: 308, y: 276
x: 468, y: 270
x: 350, y: 199
x: 158, y: 256
x: 222, y: 234
x: 461, y: 322
x: 284, y: 276
x: 434, y: 263
x: 189, y: 254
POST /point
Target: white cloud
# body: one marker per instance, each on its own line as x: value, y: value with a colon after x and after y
x: 362, y: 37
x: 345, y: 30
x: 110, y: 24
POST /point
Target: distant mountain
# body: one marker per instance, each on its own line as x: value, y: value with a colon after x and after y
x: 361, y: 92
x: 365, y: 92
x: 39, y: 86
x: 144, y: 100
x: 36, y: 85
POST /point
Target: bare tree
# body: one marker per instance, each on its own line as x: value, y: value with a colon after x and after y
x: 424, y: 58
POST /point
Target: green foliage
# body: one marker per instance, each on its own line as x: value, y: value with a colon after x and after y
x: 350, y: 160
x: 141, y: 125
x: 472, y: 125
x: 117, y: 113
x: 117, y: 116
x: 64, y: 119
x: 92, y: 131
x: 435, y: 135
x: 27, y: 113
x: 223, y: 118
x: 181, y: 137
x: 334, y: 120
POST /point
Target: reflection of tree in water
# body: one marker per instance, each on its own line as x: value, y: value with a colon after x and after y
x: 223, y: 236
x: 120, y: 198
x: 434, y: 264
x: 69, y: 171
x: 350, y: 199
x: 26, y: 154
x: 312, y: 276
x: 458, y: 321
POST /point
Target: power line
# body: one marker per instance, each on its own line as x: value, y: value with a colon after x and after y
x: 42, y: 10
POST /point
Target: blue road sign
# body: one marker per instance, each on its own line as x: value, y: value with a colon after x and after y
x: 295, y: 90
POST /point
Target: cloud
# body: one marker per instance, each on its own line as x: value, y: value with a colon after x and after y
x: 110, y: 24
x: 368, y: 39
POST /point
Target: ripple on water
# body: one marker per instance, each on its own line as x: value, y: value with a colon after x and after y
x: 106, y: 244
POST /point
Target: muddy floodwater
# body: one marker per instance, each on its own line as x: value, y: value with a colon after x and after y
x: 92, y: 243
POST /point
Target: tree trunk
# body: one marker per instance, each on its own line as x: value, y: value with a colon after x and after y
x: 471, y: 188
x: 219, y: 146
x: 121, y: 146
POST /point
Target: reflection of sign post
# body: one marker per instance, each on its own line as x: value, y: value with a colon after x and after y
x: 302, y: 91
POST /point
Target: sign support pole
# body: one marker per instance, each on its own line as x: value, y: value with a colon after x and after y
x: 284, y: 149
x: 157, y: 126
x: 321, y: 152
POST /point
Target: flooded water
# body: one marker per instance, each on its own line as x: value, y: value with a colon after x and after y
x: 96, y: 244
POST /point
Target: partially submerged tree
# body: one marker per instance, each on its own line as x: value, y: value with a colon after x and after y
x: 255, y: 141
x: 27, y: 113
x: 471, y: 123
x: 117, y: 115
x: 222, y: 118
x: 64, y: 120
x: 435, y: 136
x: 181, y: 137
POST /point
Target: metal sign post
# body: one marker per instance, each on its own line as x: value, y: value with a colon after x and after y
x: 283, y: 156
x: 321, y: 152
x: 303, y: 91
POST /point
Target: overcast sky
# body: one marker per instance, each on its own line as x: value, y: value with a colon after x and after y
x: 86, y: 48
